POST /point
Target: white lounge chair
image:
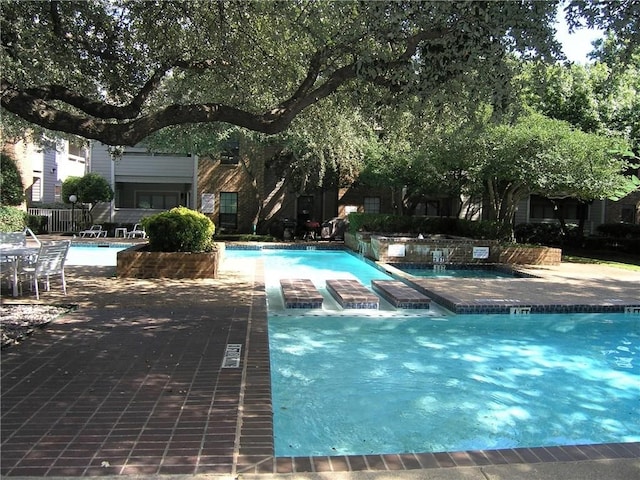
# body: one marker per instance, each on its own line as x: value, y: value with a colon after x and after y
x: 137, y: 231
x: 48, y: 262
x: 94, y: 232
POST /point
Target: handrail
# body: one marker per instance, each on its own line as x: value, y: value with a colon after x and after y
x: 32, y: 235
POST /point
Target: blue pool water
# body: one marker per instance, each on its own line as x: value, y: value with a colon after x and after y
x: 349, y: 382
x: 94, y: 255
x: 360, y: 385
x: 449, y: 272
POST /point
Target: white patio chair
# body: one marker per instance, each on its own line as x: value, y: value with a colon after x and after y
x: 137, y: 231
x: 95, y: 232
x: 49, y: 261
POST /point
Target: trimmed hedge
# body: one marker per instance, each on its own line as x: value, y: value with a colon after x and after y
x: 179, y: 230
x: 619, y: 230
x: 384, y: 223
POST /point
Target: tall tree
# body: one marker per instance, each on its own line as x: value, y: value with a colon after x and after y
x: 90, y: 189
x: 119, y: 70
x: 538, y: 155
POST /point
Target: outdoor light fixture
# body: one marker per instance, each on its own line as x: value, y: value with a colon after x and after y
x: 73, y: 199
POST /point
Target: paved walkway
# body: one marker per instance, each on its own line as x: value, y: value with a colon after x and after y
x: 130, y: 383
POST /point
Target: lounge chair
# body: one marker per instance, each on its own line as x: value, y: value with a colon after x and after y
x: 137, y: 231
x: 94, y: 232
x: 48, y: 262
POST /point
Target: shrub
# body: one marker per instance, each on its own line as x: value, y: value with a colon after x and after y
x: 619, y: 230
x: 384, y: 223
x: 11, y: 187
x: 538, y: 233
x: 12, y: 219
x: 39, y: 224
x: 179, y: 230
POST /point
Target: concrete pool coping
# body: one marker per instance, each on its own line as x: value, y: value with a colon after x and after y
x: 119, y: 320
x: 564, y: 288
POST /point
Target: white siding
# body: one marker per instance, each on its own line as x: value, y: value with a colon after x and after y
x: 142, y: 168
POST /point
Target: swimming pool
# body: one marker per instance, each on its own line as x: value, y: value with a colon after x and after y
x: 346, y: 382
x: 456, y: 271
x: 104, y: 255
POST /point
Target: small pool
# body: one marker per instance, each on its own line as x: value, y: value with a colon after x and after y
x: 90, y: 254
x: 455, y: 271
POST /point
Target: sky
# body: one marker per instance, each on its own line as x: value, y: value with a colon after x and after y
x: 577, y: 45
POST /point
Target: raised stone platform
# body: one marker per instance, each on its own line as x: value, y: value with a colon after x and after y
x: 400, y: 295
x: 300, y: 293
x: 352, y: 294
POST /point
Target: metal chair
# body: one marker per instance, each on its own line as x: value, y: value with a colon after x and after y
x: 49, y: 261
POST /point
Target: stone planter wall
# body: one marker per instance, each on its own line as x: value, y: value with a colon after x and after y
x: 457, y: 250
x: 136, y: 262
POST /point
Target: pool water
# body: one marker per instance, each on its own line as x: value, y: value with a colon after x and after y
x: 346, y: 382
x: 94, y: 254
x: 455, y: 272
x: 344, y: 386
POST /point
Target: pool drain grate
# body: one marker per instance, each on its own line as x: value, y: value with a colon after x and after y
x: 232, y: 356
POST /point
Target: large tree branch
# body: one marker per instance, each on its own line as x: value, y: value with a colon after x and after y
x: 99, y: 109
x: 101, y: 121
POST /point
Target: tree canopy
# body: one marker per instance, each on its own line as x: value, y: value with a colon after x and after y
x: 119, y: 70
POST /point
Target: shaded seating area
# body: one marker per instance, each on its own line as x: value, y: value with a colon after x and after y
x: 351, y: 293
x: 400, y: 295
x: 300, y: 293
x: 95, y: 231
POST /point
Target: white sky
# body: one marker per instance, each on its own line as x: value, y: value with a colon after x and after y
x: 577, y: 45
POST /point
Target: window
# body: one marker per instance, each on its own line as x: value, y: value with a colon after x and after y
x: 157, y: 200
x: 231, y: 153
x: 432, y: 208
x: 228, y: 210
x: 36, y: 190
x: 628, y: 213
x: 541, y: 207
x: 372, y: 204
x: 350, y: 209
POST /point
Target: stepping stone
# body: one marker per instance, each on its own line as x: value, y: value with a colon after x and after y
x: 352, y: 294
x: 300, y: 293
x: 400, y: 295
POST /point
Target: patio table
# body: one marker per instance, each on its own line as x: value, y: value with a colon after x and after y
x: 13, y: 255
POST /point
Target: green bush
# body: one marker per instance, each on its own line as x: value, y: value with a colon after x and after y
x: 619, y: 230
x: 12, y: 219
x: 538, y: 233
x: 38, y: 224
x: 384, y: 223
x: 11, y: 187
x: 179, y: 230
